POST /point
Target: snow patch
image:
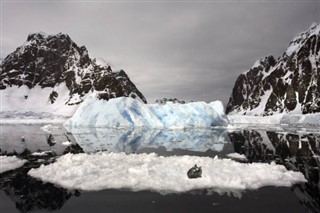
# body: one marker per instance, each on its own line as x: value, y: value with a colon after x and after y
x: 44, y: 153
x: 24, y: 103
x: 8, y: 163
x: 237, y: 156
x: 299, y: 40
x: 67, y: 143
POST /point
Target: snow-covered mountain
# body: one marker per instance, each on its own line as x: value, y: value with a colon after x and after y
x: 290, y: 84
x: 50, y: 73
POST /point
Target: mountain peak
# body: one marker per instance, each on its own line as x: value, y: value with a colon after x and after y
x: 289, y: 85
x: 55, y: 66
x: 301, y: 38
x: 43, y: 35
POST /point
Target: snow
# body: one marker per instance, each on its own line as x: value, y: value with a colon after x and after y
x: 298, y: 119
x: 8, y: 163
x: 299, y: 40
x: 100, y: 62
x: 66, y: 143
x: 24, y: 103
x: 128, y: 112
x: 237, y: 156
x: 276, y: 119
x: 261, y: 120
x: 257, y: 63
x: 44, y: 153
x: 162, y: 174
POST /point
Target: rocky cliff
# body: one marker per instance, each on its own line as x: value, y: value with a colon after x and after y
x: 288, y: 84
x: 52, y: 68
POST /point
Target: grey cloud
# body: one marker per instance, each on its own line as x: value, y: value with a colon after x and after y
x: 188, y: 50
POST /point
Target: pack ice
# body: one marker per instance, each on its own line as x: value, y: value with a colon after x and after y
x: 138, y: 172
x: 128, y: 112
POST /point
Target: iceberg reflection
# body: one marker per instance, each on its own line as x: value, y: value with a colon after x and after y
x: 133, y: 140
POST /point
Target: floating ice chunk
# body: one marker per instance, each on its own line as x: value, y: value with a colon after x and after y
x: 237, y: 156
x: 162, y: 174
x: 128, y: 112
x: 10, y: 163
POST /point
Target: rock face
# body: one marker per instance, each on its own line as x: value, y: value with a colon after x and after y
x: 289, y: 84
x: 47, y: 61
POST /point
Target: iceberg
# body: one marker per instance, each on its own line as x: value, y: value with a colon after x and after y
x: 130, y: 113
x: 102, y: 170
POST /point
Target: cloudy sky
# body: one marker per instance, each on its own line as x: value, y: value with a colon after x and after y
x: 191, y: 50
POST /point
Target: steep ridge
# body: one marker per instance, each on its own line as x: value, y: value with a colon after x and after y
x: 287, y: 85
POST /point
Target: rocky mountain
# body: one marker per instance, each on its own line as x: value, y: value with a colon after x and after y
x: 53, y: 70
x: 290, y: 84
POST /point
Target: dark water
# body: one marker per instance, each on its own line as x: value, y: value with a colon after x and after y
x: 297, y: 149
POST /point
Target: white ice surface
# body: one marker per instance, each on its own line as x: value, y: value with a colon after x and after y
x: 237, y: 156
x: 277, y: 119
x: 258, y: 120
x: 128, y: 112
x: 162, y: 174
x: 8, y: 163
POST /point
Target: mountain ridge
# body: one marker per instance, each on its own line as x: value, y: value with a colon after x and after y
x: 63, y: 69
x: 286, y: 85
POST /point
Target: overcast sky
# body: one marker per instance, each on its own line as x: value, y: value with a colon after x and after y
x: 191, y: 50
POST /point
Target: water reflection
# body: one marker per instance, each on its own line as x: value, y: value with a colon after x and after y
x: 133, y: 140
x: 298, y: 151
x: 39, y: 147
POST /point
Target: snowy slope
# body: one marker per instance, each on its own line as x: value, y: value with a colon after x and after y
x: 287, y: 85
x: 128, y: 112
x: 162, y: 174
x: 22, y: 102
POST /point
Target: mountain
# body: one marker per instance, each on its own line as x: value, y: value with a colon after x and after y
x: 54, y: 73
x: 290, y: 84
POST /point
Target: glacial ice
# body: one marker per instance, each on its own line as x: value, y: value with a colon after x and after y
x: 128, y: 112
x: 137, y: 172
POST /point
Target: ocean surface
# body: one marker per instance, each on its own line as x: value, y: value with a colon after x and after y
x: 295, y: 148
